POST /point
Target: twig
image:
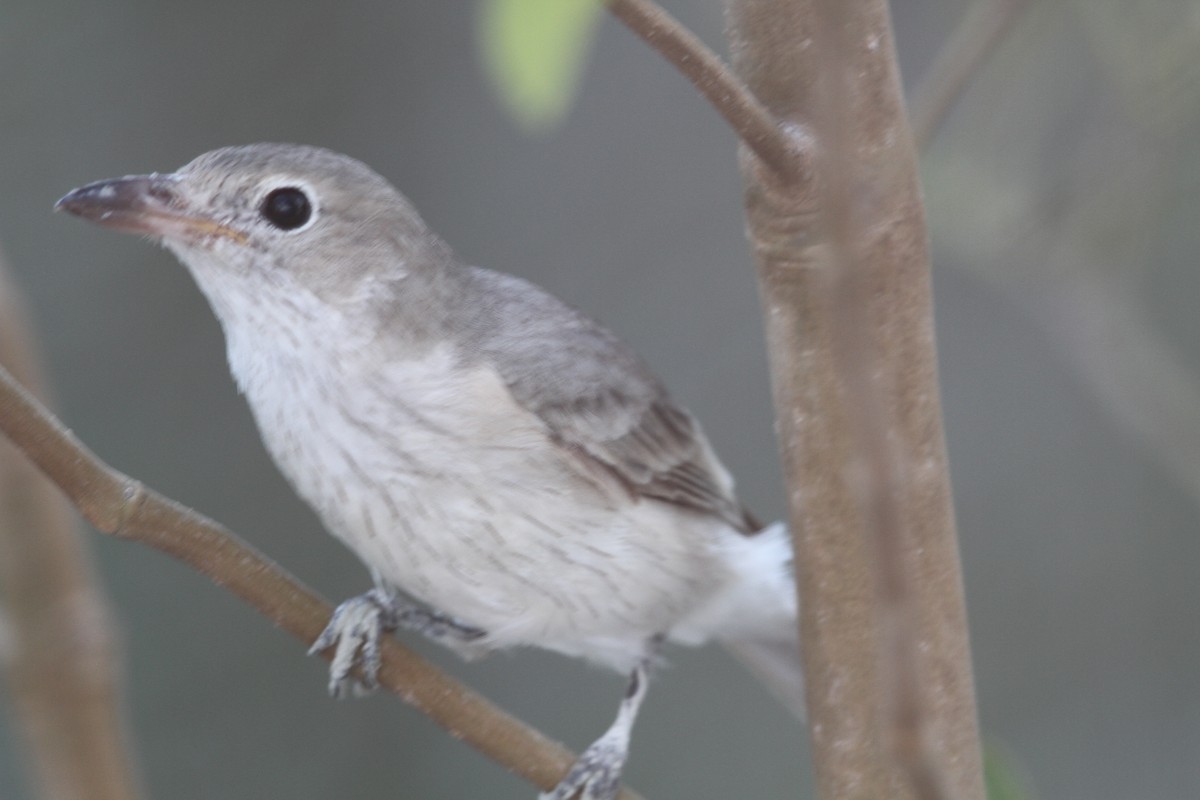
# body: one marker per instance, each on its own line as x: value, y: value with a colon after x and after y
x: 731, y: 98
x: 118, y: 505
x: 1143, y: 381
x: 1043, y: 254
x: 63, y: 663
x: 959, y: 60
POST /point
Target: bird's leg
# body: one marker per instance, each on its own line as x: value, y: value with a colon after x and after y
x: 596, y: 775
x: 358, y: 625
x: 447, y: 631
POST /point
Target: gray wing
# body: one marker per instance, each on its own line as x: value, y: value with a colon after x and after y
x: 597, y: 398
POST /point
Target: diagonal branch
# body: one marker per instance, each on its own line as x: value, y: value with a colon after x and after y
x: 121, y: 506
x: 976, y: 37
x: 732, y: 99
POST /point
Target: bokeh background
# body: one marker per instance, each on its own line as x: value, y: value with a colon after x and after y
x: 1063, y: 195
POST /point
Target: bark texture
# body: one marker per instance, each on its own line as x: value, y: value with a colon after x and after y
x: 843, y: 265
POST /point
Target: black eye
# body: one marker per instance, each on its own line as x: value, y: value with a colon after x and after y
x: 287, y: 208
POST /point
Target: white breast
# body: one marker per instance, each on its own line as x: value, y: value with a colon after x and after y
x: 445, y: 487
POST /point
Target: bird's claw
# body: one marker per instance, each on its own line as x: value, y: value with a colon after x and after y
x: 596, y: 775
x: 356, y: 628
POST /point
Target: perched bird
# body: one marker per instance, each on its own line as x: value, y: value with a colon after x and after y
x: 508, y: 470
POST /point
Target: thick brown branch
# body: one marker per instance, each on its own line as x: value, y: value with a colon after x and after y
x: 63, y: 665
x: 121, y: 506
x: 844, y: 277
x: 975, y: 38
x: 875, y: 466
x: 732, y: 99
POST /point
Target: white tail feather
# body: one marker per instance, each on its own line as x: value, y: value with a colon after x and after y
x: 776, y: 663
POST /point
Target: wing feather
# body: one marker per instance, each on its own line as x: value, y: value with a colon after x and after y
x: 599, y: 400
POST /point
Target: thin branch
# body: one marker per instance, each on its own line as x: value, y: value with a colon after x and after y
x: 973, y: 41
x: 1142, y: 380
x: 63, y: 664
x: 731, y: 98
x: 121, y: 506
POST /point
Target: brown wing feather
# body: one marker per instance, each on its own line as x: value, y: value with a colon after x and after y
x: 662, y: 455
x: 598, y: 400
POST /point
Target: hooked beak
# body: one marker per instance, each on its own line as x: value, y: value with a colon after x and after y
x: 147, y: 204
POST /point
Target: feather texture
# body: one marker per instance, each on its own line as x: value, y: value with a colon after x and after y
x: 597, y: 398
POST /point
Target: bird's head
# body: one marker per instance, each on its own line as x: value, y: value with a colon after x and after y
x: 261, y: 220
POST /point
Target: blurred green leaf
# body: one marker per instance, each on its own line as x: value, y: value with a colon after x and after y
x: 1002, y: 775
x: 534, y: 51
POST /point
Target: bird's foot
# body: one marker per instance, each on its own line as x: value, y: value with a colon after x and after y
x: 359, y: 624
x: 445, y: 630
x: 596, y: 775
x: 356, y: 628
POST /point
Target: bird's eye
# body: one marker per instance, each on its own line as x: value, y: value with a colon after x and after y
x: 287, y: 208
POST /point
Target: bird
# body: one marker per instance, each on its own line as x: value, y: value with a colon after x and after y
x: 508, y: 470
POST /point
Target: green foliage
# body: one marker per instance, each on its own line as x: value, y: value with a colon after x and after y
x: 1002, y: 776
x: 534, y: 51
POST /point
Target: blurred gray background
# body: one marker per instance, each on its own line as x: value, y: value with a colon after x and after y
x: 1063, y: 195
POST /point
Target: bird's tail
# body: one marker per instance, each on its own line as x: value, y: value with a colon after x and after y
x: 767, y: 640
x: 775, y: 662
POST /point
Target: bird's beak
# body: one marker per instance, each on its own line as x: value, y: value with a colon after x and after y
x: 147, y: 204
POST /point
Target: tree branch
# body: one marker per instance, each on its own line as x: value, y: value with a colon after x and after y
x: 844, y: 277
x: 63, y: 664
x: 118, y: 505
x: 973, y: 41
x: 750, y: 120
x: 875, y: 465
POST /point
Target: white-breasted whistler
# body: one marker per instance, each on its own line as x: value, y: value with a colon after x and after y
x: 508, y: 470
